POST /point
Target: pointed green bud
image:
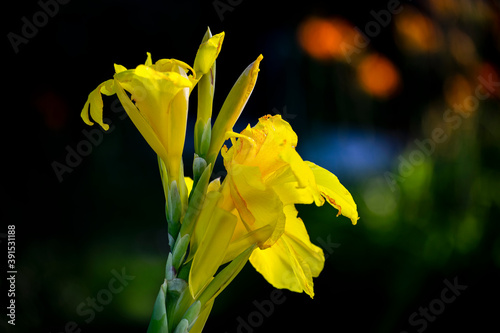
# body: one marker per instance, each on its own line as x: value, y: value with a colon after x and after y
x: 176, y: 291
x: 179, y: 252
x: 169, y: 268
x: 192, y: 313
x: 159, y: 322
x: 203, y: 125
x: 206, y: 136
x: 232, y: 107
x: 182, y: 327
x: 171, y: 242
x: 174, y: 209
x: 199, y: 165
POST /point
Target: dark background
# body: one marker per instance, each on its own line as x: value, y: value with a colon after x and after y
x: 436, y: 221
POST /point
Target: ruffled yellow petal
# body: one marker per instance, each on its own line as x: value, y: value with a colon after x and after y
x: 334, y: 192
x: 293, y: 260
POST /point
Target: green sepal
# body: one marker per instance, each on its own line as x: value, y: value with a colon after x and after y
x: 192, y: 313
x: 159, y: 322
x: 199, y: 166
x: 174, y: 202
x: 181, y: 304
x: 179, y: 251
x: 174, y: 209
x: 170, y: 272
x: 182, y: 327
x: 175, y: 291
x: 171, y: 242
x: 195, y: 205
x: 206, y: 136
x: 184, y: 271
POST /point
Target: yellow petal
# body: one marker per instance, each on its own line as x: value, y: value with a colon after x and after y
x: 211, y: 250
x: 214, y: 185
x: 119, y: 68
x: 203, y: 220
x: 298, y: 238
x: 189, y: 184
x: 94, y: 101
x: 335, y: 193
x: 140, y: 122
x: 293, y: 260
x: 242, y: 239
x: 257, y: 204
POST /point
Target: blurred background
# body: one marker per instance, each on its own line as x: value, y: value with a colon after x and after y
x: 399, y: 99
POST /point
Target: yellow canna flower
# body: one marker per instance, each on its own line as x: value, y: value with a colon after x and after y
x: 254, y: 204
x: 158, y: 102
x: 266, y: 177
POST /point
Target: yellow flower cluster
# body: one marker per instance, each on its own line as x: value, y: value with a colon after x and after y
x: 251, y: 215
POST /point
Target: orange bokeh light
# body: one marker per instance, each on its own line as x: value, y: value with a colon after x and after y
x: 456, y: 89
x: 322, y: 38
x: 417, y: 32
x: 378, y: 76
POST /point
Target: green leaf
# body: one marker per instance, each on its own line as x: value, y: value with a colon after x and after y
x: 159, y: 322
